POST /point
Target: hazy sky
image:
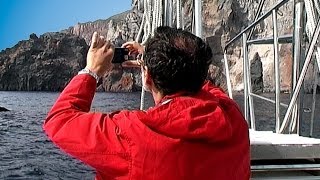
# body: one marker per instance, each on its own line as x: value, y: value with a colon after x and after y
x: 20, y: 18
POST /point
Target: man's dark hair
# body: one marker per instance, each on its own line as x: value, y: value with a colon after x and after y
x: 177, y: 60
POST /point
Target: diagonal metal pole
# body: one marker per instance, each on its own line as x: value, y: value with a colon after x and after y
x: 276, y: 68
x: 297, y: 56
x: 314, y: 40
x: 227, y: 75
x: 260, y: 7
x: 264, y: 16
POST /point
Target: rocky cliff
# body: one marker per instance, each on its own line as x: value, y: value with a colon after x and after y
x: 119, y: 29
x: 124, y: 26
x: 42, y: 64
x: 222, y: 20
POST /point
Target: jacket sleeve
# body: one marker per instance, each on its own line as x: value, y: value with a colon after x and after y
x: 90, y: 137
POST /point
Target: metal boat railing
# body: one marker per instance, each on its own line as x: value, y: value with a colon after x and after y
x: 292, y: 115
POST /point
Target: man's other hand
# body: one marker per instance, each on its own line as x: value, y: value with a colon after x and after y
x: 132, y: 64
x: 134, y: 47
x: 99, y: 55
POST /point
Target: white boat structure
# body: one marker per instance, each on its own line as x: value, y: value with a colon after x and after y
x: 282, y: 153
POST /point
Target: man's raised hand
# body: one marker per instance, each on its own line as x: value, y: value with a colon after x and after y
x: 99, y: 55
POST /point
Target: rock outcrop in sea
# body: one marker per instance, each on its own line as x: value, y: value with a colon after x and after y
x: 3, y: 109
x: 32, y: 64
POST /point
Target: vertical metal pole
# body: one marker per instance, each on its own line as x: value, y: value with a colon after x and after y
x: 276, y: 68
x: 300, y: 100
x: 182, y: 18
x: 302, y: 76
x: 178, y: 13
x: 166, y: 12
x: 170, y: 11
x: 198, y: 17
x: 315, y: 75
x: 226, y: 65
x: 297, y: 51
x: 245, y: 84
x: 249, y: 91
x: 138, y: 4
x: 160, y: 14
x: 193, y: 28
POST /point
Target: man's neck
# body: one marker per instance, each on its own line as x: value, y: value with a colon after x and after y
x: 157, y: 96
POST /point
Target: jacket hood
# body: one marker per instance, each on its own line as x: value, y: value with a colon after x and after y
x: 203, y: 116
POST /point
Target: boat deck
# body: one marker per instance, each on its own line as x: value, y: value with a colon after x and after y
x: 266, y: 145
x: 284, y: 156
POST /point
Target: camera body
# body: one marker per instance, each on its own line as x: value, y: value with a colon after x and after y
x: 120, y: 55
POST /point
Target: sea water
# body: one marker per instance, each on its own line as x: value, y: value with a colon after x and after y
x: 26, y: 152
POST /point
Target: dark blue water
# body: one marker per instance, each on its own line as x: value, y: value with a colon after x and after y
x: 26, y: 153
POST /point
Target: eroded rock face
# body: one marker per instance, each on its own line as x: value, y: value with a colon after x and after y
x: 46, y: 63
x: 125, y: 24
x: 222, y: 20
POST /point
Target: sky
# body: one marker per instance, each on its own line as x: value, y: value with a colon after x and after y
x: 20, y: 18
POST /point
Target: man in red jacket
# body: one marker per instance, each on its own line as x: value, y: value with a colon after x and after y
x: 193, y: 132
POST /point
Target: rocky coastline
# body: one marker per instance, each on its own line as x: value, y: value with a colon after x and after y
x: 44, y: 63
x: 48, y: 62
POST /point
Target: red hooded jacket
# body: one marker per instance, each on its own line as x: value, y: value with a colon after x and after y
x: 203, y: 136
